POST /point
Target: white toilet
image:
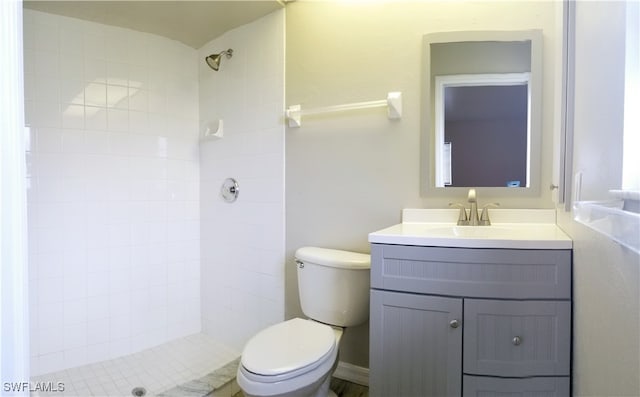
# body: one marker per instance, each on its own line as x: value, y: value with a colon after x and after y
x: 298, y: 356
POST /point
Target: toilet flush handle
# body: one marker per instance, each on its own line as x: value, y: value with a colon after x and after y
x: 300, y: 264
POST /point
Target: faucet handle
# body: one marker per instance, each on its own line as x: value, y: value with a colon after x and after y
x: 462, y: 215
x: 484, y: 217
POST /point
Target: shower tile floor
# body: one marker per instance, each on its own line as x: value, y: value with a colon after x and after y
x: 158, y: 370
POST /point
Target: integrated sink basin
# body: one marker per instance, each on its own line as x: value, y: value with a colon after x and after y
x: 469, y: 231
x: 517, y: 229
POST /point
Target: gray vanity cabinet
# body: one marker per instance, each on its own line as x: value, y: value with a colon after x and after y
x: 472, y: 322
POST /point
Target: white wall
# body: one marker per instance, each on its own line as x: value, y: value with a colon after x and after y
x: 606, y: 276
x: 351, y: 173
x: 113, y: 200
x: 606, y: 314
x: 599, y: 97
x: 243, y: 242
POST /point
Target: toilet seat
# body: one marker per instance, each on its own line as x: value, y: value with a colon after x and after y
x: 288, y: 349
x: 299, y: 382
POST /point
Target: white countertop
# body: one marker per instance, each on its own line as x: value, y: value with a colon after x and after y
x: 515, y: 229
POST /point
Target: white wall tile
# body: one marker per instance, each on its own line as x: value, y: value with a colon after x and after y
x: 95, y: 71
x: 138, y: 117
x: 99, y: 227
x: 75, y: 356
x: 119, y: 347
x: 49, y: 362
x: 117, y: 73
x: 50, y: 340
x: 45, y: 114
x: 98, y: 307
x: 75, y: 287
x: 50, y: 291
x: 49, y: 312
x: 245, y: 259
x: 117, y: 120
x: 95, y: 142
x: 75, y: 335
x: 95, y: 118
x: 47, y: 88
x: 71, y: 42
x: 97, y: 284
x: 117, y: 95
x: 75, y: 312
x: 72, y: 116
x: 95, y: 94
x: 97, y: 352
x: 72, y: 69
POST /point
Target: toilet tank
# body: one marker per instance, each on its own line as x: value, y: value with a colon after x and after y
x: 334, y: 285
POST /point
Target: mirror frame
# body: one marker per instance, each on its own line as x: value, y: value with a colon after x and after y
x: 427, y: 156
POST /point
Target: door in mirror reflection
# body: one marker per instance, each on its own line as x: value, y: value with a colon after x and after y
x: 482, y: 130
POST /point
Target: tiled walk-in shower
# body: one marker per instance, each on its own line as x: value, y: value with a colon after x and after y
x: 193, y: 361
x: 117, y: 174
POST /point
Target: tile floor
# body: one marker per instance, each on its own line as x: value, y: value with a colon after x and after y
x: 195, y: 366
x: 157, y: 370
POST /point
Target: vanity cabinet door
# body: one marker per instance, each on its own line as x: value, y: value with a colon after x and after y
x: 517, y: 338
x: 416, y: 345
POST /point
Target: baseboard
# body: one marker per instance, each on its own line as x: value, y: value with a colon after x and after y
x: 352, y: 373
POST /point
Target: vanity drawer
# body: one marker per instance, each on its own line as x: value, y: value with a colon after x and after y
x: 517, y: 338
x: 473, y: 272
x: 476, y: 386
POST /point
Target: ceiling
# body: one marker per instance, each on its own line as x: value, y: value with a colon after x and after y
x: 193, y: 23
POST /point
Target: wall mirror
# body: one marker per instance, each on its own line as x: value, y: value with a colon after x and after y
x: 481, y: 112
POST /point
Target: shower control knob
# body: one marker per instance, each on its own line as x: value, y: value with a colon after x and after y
x: 454, y: 324
x: 516, y: 341
x: 229, y: 190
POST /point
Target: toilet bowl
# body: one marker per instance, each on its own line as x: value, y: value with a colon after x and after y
x: 292, y: 358
x: 297, y: 357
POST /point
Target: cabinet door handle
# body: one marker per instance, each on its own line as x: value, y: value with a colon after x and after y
x: 516, y: 341
x: 454, y: 324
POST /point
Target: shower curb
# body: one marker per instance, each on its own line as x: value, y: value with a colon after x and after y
x: 218, y: 383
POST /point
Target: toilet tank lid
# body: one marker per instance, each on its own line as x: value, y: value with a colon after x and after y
x: 334, y: 258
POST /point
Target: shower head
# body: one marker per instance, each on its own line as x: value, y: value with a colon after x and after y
x: 213, y: 60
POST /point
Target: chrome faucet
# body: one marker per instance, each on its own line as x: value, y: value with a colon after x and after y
x: 472, y: 219
x: 473, y: 210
